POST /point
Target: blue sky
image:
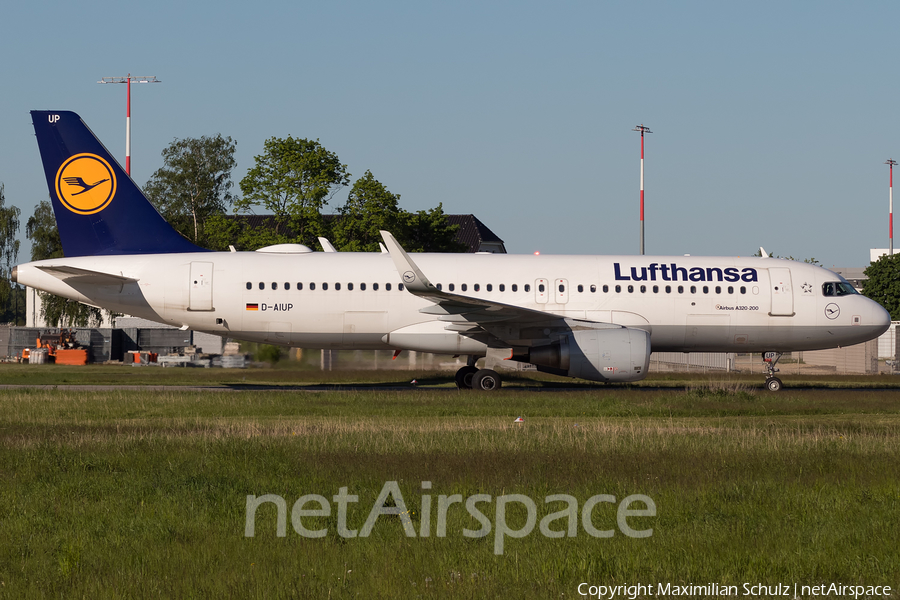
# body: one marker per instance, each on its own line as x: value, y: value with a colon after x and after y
x: 771, y: 121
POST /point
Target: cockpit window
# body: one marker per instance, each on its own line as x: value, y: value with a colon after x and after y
x: 838, y: 288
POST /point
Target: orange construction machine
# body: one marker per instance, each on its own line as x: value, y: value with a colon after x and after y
x: 63, y: 348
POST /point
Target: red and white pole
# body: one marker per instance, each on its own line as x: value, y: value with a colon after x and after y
x: 128, y: 130
x: 891, y: 162
x: 643, y: 130
x: 128, y: 80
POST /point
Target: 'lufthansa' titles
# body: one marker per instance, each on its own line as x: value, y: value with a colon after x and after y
x: 672, y: 272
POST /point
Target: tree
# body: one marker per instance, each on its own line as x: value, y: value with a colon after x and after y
x: 370, y: 207
x: 194, y: 183
x: 430, y: 231
x: 883, y: 284
x: 294, y: 179
x: 9, y: 248
x: 45, y: 243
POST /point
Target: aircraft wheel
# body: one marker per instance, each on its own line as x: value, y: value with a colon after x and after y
x: 486, y: 380
x: 464, y: 377
x: 773, y: 384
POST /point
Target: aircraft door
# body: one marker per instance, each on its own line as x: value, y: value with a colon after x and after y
x: 200, y: 297
x: 541, y: 291
x: 782, y: 292
x: 561, y: 290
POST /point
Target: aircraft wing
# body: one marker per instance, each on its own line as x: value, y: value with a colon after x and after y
x: 86, y: 276
x: 511, y: 325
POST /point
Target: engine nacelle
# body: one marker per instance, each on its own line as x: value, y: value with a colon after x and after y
x: 621, y: 354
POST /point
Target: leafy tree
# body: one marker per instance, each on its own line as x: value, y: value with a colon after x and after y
x: 45, y: 243
x: 430, y: 231
x: 9, y: 247
x: 294, y: 179
x: 194, y: 183
x: 370, y: 208
x: 883, y: 284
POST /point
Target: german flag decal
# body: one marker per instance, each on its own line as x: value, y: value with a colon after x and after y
x: 252, y: 306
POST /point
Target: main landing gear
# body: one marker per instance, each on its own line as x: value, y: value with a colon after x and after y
x: 770, y: 359
x: 471, y: 377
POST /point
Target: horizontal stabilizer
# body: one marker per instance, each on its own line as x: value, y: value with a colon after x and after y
x: 74, y: 274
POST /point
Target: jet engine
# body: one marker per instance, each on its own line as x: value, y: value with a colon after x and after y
x: 621, y: 354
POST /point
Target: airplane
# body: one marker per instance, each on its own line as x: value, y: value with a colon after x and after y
x: 589, y: 317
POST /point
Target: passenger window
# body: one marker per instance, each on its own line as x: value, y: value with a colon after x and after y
x: 541, y: 287
x: 387, y: 287
x: 477, y: 287
x: 693, y: 289
x: 439, y: 287
x: 668, y: 289
x: 643, y: 289
x: 730, y: 289
x: 287, y: 286
x: 452, y: 287
x: 312, y: 286
x: 680, y: 289
x: 337, y: 286
x: 249, y: 286
x: 299, y: 286
x: 399, y: 287
x: 718, y: 289
x: 630, y: 289
x: 705, y: 289
x: 743, y: 289
x: 605, y: 288
x: 618, y: 289
x: 502, y: 287
x: 350, y: 287
x: 274, y: 286
x: 375, y: 287
x: 324, y: 287
x: 593, y: 289
x: 490, y: 287
x: 464, y: 287
x: 362, y: 287
x: 655, y: 289
x: 562, y: 288
x: 515, y: 288
x: 527, y: 287
x: 262, y: 286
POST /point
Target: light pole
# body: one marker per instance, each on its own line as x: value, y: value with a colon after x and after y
x: 643, y: 130
x: 891, y: 162
x: 128, y: 79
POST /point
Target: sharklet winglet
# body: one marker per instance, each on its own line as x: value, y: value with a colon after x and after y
x: 412, y: 277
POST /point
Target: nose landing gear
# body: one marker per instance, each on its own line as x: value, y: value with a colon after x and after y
x: 770, y: 359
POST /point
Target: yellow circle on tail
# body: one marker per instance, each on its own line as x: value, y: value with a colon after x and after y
x: 85, y: 184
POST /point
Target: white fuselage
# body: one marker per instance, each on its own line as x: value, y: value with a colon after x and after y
x: 356, y: 300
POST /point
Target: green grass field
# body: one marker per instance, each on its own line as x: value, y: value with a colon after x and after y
x: 144, y: 494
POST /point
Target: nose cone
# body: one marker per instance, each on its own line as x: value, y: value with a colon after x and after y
x: 880, y: 318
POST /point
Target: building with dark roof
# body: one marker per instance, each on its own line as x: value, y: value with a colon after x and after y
x: 475, y: 235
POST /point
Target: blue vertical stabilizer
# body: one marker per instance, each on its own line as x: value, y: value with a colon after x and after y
x: 99, y: 209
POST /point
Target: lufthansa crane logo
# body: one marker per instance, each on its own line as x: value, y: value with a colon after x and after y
x: 85, y: 184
